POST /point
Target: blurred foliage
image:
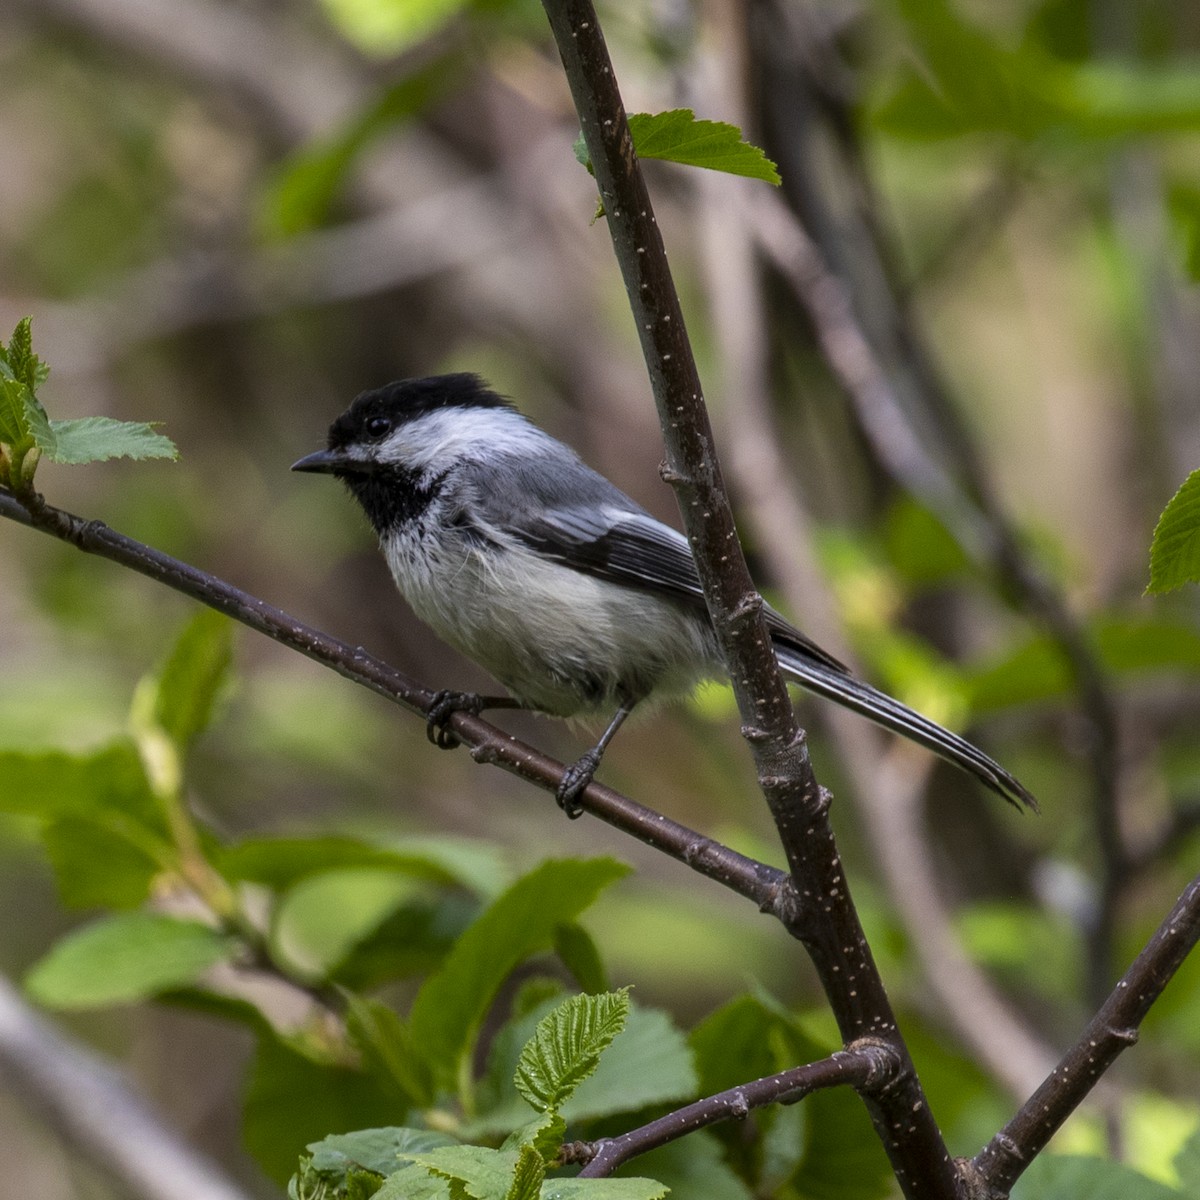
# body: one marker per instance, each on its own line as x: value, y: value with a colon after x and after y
x: 378, y: 188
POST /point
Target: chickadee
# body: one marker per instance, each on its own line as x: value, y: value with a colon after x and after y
x: 551, y: 578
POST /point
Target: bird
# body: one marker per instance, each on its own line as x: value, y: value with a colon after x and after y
x: 544, y: 572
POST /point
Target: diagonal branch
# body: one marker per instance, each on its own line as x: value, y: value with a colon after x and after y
x: 1114, y: 1028
x: 768, y: 887
x: 867, y: 1066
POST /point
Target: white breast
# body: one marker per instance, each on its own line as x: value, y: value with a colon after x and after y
x: 560, y: 641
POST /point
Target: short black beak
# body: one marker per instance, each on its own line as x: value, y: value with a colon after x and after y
x: 322, y: 461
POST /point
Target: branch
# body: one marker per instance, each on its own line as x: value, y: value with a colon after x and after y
x: 766, y: 886
x: 97, y: 1114
x: 826, y: 920
x: 1113, y: 1029
x: 867, y: 1066
x: 887, y: 780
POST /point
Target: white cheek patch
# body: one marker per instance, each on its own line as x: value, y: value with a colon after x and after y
x: 449, y: 435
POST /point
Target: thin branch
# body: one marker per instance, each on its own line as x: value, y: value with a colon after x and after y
x: 867, y: 1066
x: 97, y: 1114
x: 826, y: 922
x: 766, y: 886
x: 1114, y: 1028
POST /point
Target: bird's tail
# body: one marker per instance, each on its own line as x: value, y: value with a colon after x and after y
x: 876, y: 706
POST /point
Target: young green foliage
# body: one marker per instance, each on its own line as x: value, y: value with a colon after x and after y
x: 1175, y: 550
x: 126, y: 957
x: 678, y: 135
x: 27, y: 433
x: 453, y: 1001
x: 566, y: 1047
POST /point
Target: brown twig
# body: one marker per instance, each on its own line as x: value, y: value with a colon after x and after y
x: 866, y: 1066
x: 1113, y: 1029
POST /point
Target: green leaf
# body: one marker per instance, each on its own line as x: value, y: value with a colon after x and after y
x: 826, y: 1150
x: 380, y: 1151
x: 579, y: 954
x: 306, y: 186
x: 527, y: 1175
x: 631, y: 1188
x: 53, y: 783
x: 648, y: 1063
x: 18, y: 356
x: 192, y: 675
x: 94, y: 439
x: 292, y: 1100
x: 545, y: 1134
x: 566, y: 1047
x: 97, y: 867
x: 452, y: 1002
x: 387, y: 1044
x: 103, y: 831
x: 124, y: 958
x: 484, y: 1174
x: 1187, y: 1165
x: 1075, y: 1177
x: 678, y: 136
x: 1036, y: 671
x: 281, y: 862
x: 1175, y: 550
x: 414, y: 1183
x: 693, y: 1167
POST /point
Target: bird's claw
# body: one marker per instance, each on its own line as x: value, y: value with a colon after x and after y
x: 445, y: 704
x: 574, y: 783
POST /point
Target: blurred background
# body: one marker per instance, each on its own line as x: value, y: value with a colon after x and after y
x: 953, y: 362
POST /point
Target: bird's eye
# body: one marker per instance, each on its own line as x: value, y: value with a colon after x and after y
x: 377, y: 427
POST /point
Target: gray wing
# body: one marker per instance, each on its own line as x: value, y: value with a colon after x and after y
x: 577, y: 517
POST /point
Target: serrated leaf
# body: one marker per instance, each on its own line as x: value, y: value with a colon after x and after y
x: 566, y: 1047
x: 484, y: 1174
x: 679, y: 136
x: 378, y: 1150
x: 545, y: 1135
x: 632, y: 1188
x: 20, y: 359
x: 94, y: 439
x: 124, y: 958
x: 414, y: 1183
x: 648, y: 1063
x: 192, y: 675
x: 1175, y: 550
x: 452, y: 1002
x: 527, y: 1175
x: 13, y: 430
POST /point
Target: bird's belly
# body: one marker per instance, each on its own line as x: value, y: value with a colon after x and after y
x: 560, y: 641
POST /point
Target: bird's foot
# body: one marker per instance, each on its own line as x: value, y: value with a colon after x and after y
x: 574, y: 783
x: 445, y: 704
